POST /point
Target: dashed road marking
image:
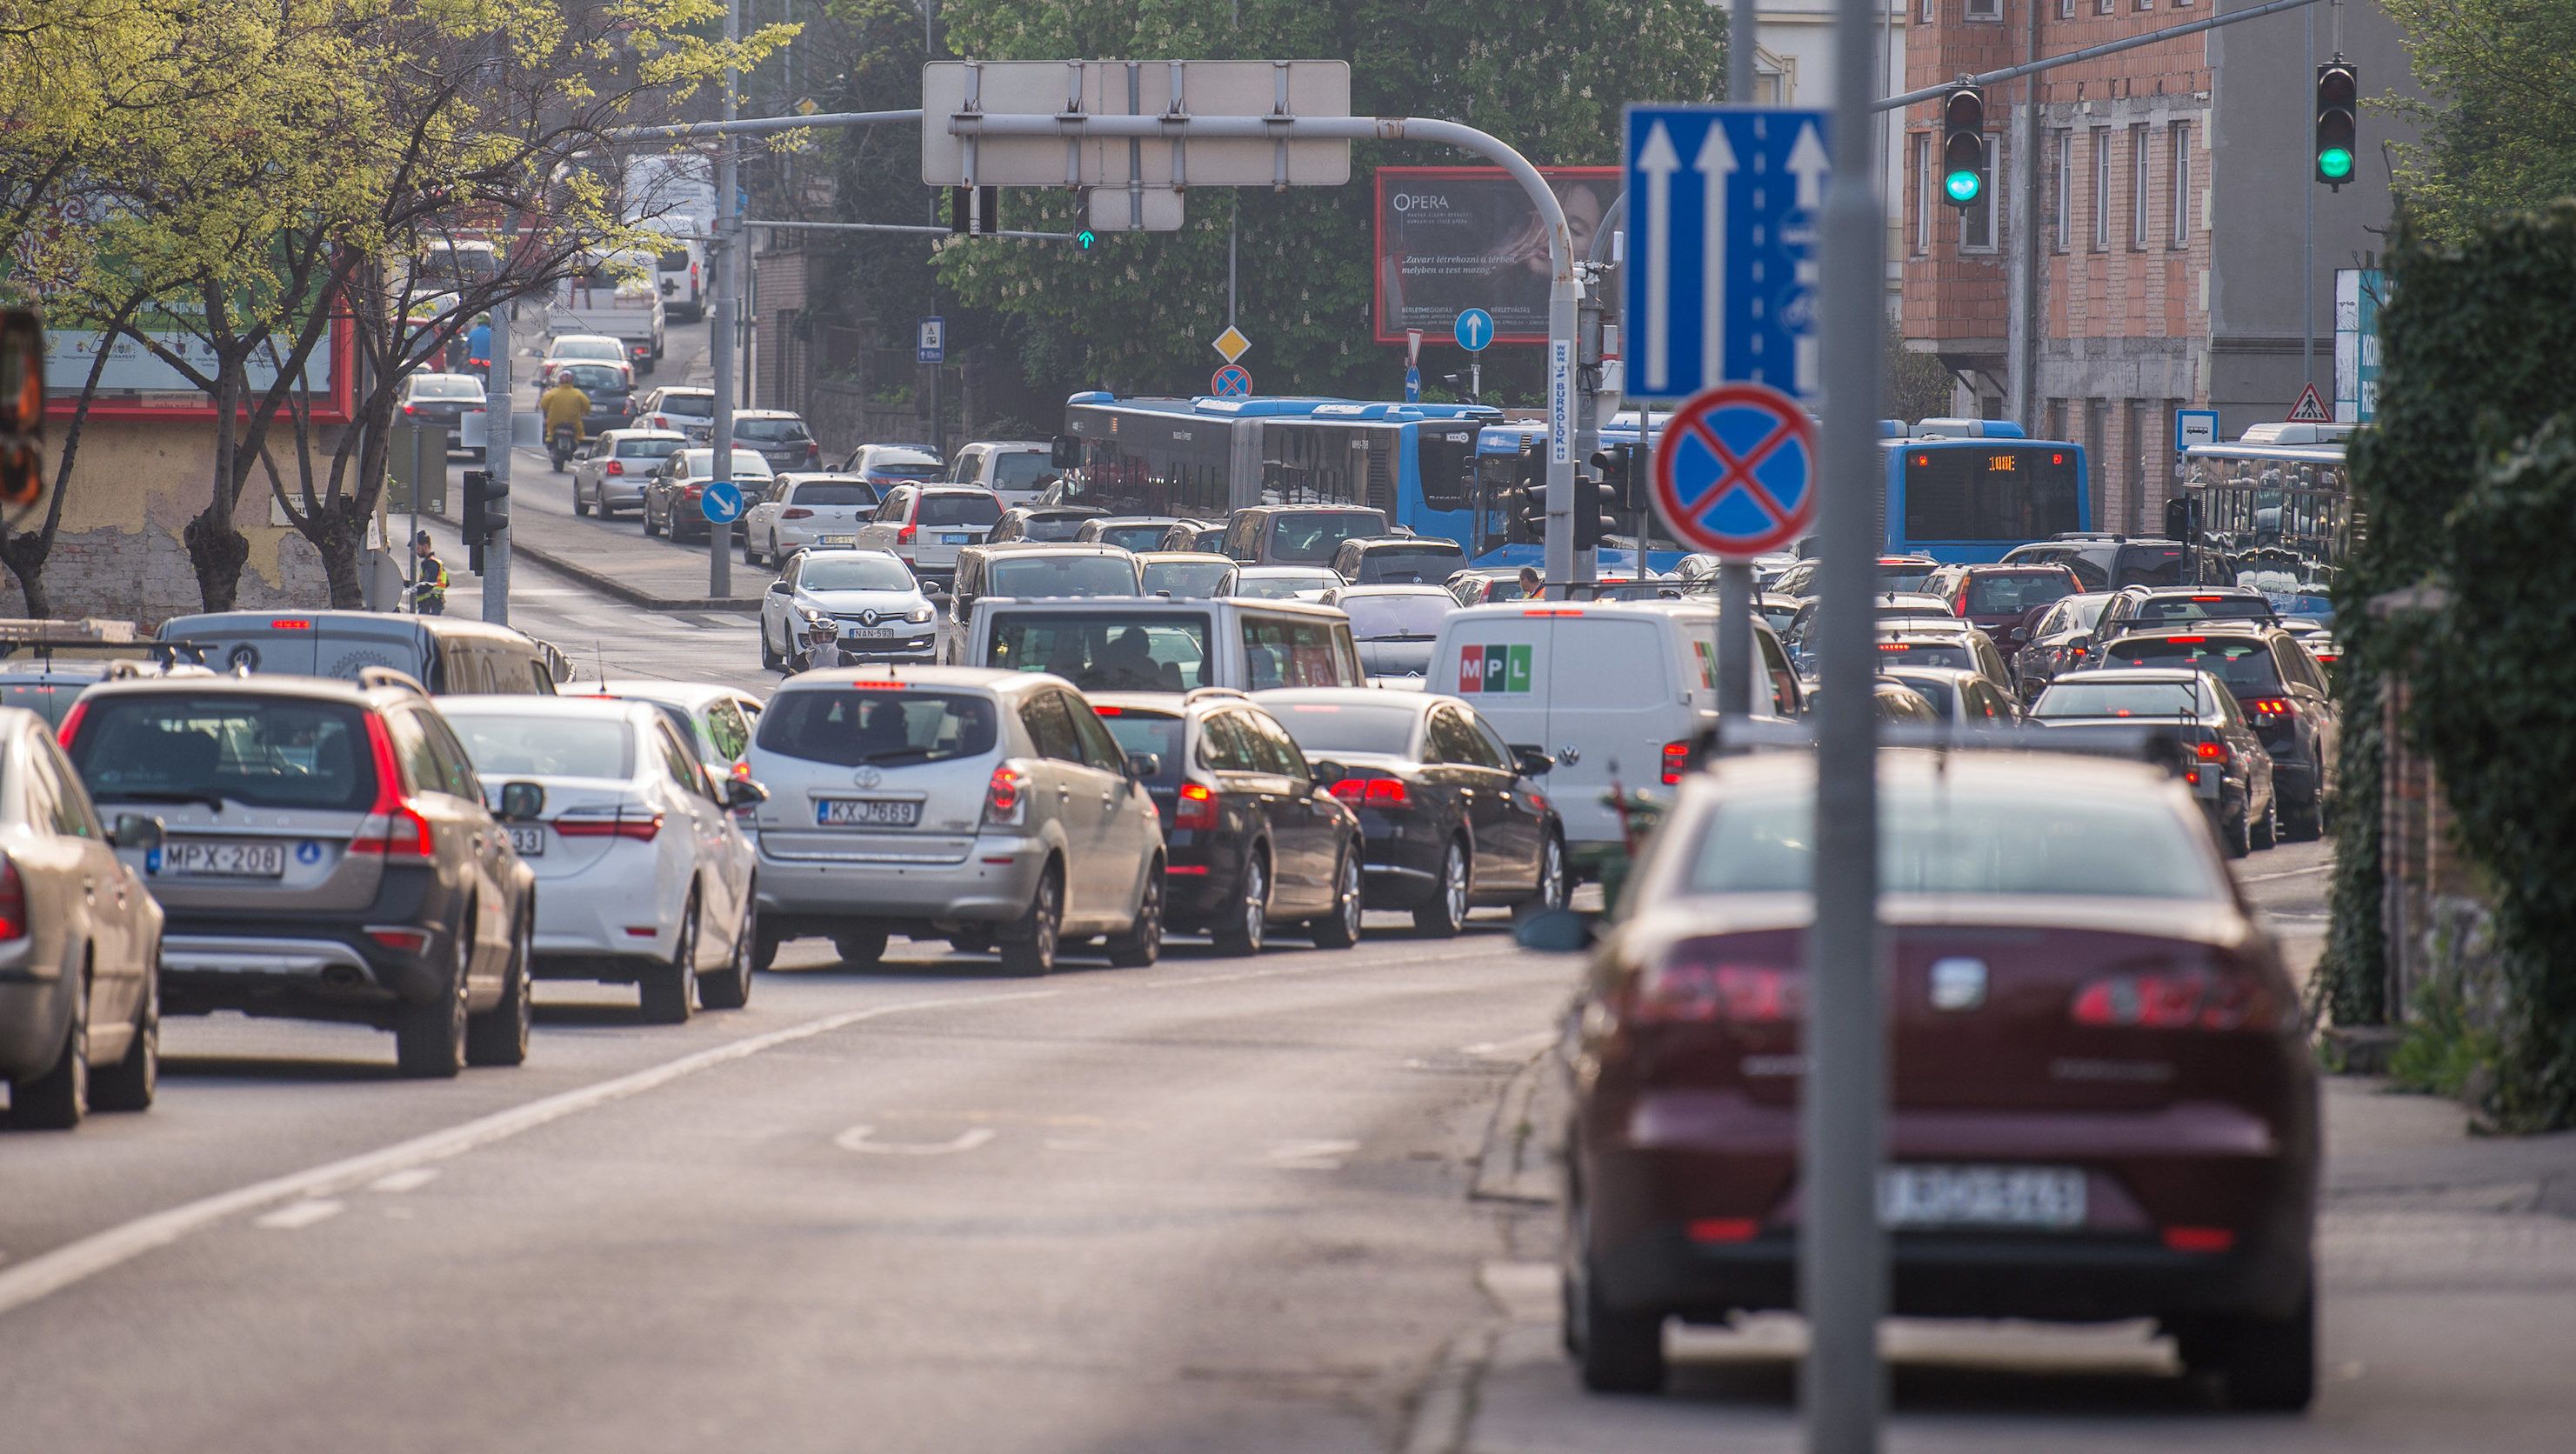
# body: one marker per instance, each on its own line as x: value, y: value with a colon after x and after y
x: 1308, y: 1155
x: 296, y: 1216
x: 408, y: 1179
x: 1517, y: 1048
x: 862, y: 1139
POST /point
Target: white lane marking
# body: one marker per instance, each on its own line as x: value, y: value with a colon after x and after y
x: 96, y: 1253
x: 1074, y: 1144
x: 411, y: 1179
x: 1513, y: 1049
x: 2263, y: 878
x: 857, y: 1138
x: 1308, y: 1155
x: 296, y: 1216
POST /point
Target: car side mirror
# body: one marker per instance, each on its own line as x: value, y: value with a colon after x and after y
x: 1327, y: 772
x: 1531, y: 761
x: 2082, y: 642
x: 521, y: 802
x: 742, y: 792
x: 138, y: 831
x: 1142, y: 765
x: 1554, y: 931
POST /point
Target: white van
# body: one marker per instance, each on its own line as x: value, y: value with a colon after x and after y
x: 1606, y: 688
x: 1155, y: 644
x: 1016, y: 470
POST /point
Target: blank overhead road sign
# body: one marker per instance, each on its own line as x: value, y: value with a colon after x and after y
x: 1722, y: 267
x: 959, y: 92
x: 1474, y: 330
x: 1735, y: 471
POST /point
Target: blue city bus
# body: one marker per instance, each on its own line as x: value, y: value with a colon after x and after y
x: 2273, y: 511
x: 1486, y: 529
x: 1201, y: 458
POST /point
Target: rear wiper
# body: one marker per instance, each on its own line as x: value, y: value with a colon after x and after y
x: 216, y: 801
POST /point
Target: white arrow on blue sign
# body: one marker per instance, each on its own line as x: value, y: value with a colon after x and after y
x: 1722, y: 269
x: 720, y: 502
x: 1473, y: 330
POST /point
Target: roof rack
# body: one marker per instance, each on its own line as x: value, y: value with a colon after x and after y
x: 1195, y: 693
x: 385, y: 676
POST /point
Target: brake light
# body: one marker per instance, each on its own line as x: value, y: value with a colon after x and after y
x: 2199, y: 1239
x: 641, y: 828
x: 795, y: 512
x: 813, y: 452
x: 1100, y: 711
x: 1373, y: 792
x: 1893, y: 646
x: 290, y: 623
x: 1559, y: 611
x: 2077, y: 650
x: 1685, y: 990
x: 411, y: 408
x: 2178, y: 999
x: 2210, y: 751
x: 2273, y: 707
x: 1723, y: 1229
x: 1676, y: 761
x: 2187, y: 640
x: 71, y: 724
x: 1006, y: 796
x: 1197, y: 808
x: 2209, y: 598
x: 13, y: 902
x: 613, y: 468
x: 392, y: 827
x: 905, y: 535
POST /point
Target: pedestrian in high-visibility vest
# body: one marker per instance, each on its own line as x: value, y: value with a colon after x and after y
x: 428, y: 579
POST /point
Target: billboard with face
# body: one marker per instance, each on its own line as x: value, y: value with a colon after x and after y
x: 1454, y: 238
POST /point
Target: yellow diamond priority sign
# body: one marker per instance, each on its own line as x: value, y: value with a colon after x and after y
x: 1232, y: 343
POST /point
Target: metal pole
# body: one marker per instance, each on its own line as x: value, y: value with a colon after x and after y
x: 2093, y: 52
x: 1734, y: 578
x: 420, y: 487
x: 1842, y: 1253
x: 722, y: 336
x: 1743, y: 37
x: 2308, y: 248
x: 499, y: 434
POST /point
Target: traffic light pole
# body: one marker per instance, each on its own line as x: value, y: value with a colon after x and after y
x: 2090, y: 52
x: 721, y: 339
x: 1734, y: 578
x: 499, y: 434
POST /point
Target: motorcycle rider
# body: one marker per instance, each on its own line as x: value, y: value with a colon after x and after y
x: 478, y: 347
x: 564, y: 406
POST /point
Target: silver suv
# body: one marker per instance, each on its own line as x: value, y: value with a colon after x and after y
x: 328, y: 855
x: 989, y: 808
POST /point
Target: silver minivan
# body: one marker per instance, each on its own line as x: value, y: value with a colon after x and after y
x: 988, y: 808
x: 1157, y: 644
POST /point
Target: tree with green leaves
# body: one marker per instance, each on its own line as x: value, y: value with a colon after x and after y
x: 2498, y: 115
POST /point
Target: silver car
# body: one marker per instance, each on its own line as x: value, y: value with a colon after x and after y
x: 841, y: 607
x: 80, y: 942
x: 611, y: 473
x: 989, y: 808
x: 799, y: 510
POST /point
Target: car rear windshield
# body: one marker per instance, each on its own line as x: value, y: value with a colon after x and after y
x: 1937, y: 841
x: 1134, y: 537
x: 569, y: 348
x: 1417, y: 562
x: 2147, y: 565
x: 848, y: 726
x: 2245, y: 665
x: 865, y: 572
x: 769, y: 431
x: 843, y: 492
x: 1309, y: 537
x: 903, y: 470
x: 1063, y: 575
x: 546, y: 746
x: 2166, y: 610
x: 1124, y: 652
x: 1053, y: 529
x: 959, y: 509
x: 593, y: 379
x: 1931, y: 689
x: 673, y: 260
x: 1328, y: 727
x: 49, y: 700
x: 1902, y: 577
x: 1186, y: 577
x: 1998, y: 594
x: 1156, y: 732
x: 1398, y: 618
x: 1027, y: 470
x: 445, y: 386
x: 1282, y: 587
x: 647, y: 448
x: 258, y: 750
x: 1927, y: 653
x: 695, y: 406
x: 2078, y: 698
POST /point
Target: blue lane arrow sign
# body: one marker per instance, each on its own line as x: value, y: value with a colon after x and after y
x: 1723, y: 201
x: 1474, y: 330
x: 720, y: 502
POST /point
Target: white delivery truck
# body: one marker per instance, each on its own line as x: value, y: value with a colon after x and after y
x: 616, y: 294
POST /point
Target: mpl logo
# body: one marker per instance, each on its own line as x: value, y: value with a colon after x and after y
x: 1487, y: 670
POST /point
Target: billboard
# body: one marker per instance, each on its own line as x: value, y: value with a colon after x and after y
x: 1454, y: 238
x: 2359, y: 295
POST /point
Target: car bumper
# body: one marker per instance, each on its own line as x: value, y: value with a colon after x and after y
x: 33, y: 1015
x: 799, y: 537
x: 312, y: 965
x: 615, y: 495
x: 993, y: 883
x: 1399, y: 869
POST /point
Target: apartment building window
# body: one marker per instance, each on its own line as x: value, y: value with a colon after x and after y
x: 2101, y: 189
x: 1922, y: 144
x: 1982, y: 10
x: 2146, y: 4
x: 1977, y: 224
x: 2097, y: 422
x: 2138, y: 190
x: 2061, y: 192
x: 2056, y: 419
x: 2066, y: 9
x: 2179, y: 170
x: 1927, y: 12
x: 2103, y: 7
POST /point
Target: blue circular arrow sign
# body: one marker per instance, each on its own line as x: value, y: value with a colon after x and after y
x: 1473, y: 330
x: 721, y: 502
x: 1735, y: 471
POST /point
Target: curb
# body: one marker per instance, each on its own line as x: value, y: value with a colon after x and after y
x: 1444, y: 1414
x: 1521, y: 1160
x: 609, y: 585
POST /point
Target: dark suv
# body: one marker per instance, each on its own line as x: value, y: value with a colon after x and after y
x: 2108, y: 562
x: 2003, y: 600
x: 1254, y: 840
x: 1398, y: 559
x: 2179, y: 608
x: 328, y: 855
x: 2282, y: 691
x: 1296, y: 534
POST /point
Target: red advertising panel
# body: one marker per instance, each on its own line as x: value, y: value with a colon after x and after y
x: 1454, y: 238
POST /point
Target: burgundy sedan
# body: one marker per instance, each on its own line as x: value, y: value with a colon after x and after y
x: 2102, y: 1105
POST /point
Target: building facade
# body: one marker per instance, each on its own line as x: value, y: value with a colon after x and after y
x: 2151, y: 238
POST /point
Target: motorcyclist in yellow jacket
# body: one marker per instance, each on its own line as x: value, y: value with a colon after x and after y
x: 564, y: 404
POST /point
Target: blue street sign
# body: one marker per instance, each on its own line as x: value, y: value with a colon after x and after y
x: 1735, y: 471
x: 932, y: 346
x: 1232, y: 381
x: 721, y: 502
x: 1474, y: 330
x: 1412, y: 384
x: 2194, y: 426
x: 1722, y: 248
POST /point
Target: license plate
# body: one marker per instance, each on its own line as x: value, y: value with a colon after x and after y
x: 839, y: 539
x: 225, y: 860
x: 957, y: 540
x: 2049, y: 1198
x: 868, y: 633
x: 866, y: 813
x: 530, y: 842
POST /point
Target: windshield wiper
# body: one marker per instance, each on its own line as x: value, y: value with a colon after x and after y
x: 214, y: 800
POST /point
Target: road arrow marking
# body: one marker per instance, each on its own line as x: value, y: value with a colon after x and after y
x: 296, y: 1216
x: 1716, y: 167
x: 1659, y: 161
x: 857, y: 1139
x: 1308, y: 1155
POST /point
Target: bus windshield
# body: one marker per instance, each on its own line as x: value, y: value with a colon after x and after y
x: 1988, y: 490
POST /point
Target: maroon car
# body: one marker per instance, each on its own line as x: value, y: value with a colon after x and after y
x: 2003, y: 600
x: 2102, y: 1105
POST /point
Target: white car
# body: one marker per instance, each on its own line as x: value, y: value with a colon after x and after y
x: 684, y: 407
x: 611, y: 473
x: 642, y: 875
x: 869, y: 599
x: 804, y: 510
x: 566, y: 348
x: 888, y: 464
x: 718, y: 720
x: 1286, y: 582
x: 928, y: 524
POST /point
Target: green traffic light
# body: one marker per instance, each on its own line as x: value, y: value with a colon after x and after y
x: 2334, y: 163
x: 1963, y: 186
x: 1084, y: 239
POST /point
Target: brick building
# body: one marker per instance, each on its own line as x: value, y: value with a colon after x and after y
x: 2140, y: 245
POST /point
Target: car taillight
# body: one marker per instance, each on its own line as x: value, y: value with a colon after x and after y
x: 613, y: 468
x: 905, y: 535
x: 1006, y: 797
x: 71, y: 724
x: 795, y: 512
x: 2178, y: 999
x: 13, y: 902
x: 1197, y: 807
x: 2272, y: 707
x: 2210, y: 751
x: 1374, y: 792
x: 392, y: 827
x: 1686, y: 988
x: 661, y: 422
x: 643, y: 827
x: 813, y: 452
x: 1676, y: 761
x: 411, y: 408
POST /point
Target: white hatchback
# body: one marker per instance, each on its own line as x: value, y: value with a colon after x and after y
x: 642, y: 875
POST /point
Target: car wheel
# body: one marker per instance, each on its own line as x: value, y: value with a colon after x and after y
x: 2270, y: 1363
x: 1617, y: 1350
x: 749, y: 556
x: 2306, y: 821
x: 1029, y: 946
x: 1446, y: 913
x: 769, y: 660
x: 649, y: 527
x: 669, y: 991
x: 429, y: 1040
x: 130, y: 1084
x: 1241, y: 932
x: 1340, y: 929
x: 860, y: 948
x: 1554, y: 889
x: 2236, y: 834
x: 56, y: 1100
x: 499, y: 1036
x: 764, y: 948
x: 579, y: 506
x: 731, y: 990
x: 2267, y: 831
x: 1142, y: 942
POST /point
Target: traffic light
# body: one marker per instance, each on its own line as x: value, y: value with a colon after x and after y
x: 22, y: 408
x: 1963, y: 147
x: 974, y: 210
x: 1596, y: 506
x: 1086, y: 239
x: 486, y: 513
x: 2338, y: 121
x: 1528, y: 501
x: 1622, y: 466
